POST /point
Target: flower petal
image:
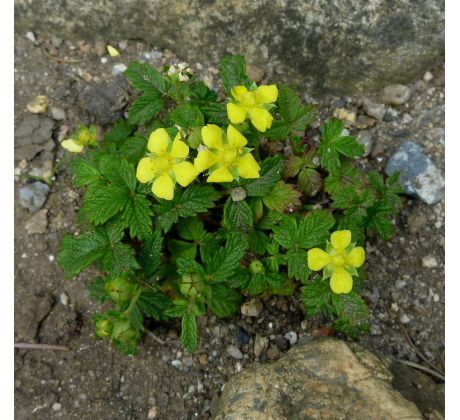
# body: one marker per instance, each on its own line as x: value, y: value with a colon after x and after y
x: 205, y: 160
x: 72, y: 146
x: 221, y: 174
x: 261, y: 119
x: 236, y: 114
x: 341, y: 281
x: 238, y: 92
x: 356, y: 257
x: 185, y: 173
x: 266, y: 94
x: 341, y: 239
x: 317, y: 259
x: 247, y: 166
x: 146, y: 170
x: 163, y: 187
x: 235, y: 139
x: 158, y: 141
x: 179, y: 149
x: 212, y: 136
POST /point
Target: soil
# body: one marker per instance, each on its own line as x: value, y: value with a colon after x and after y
x: 93, y: 380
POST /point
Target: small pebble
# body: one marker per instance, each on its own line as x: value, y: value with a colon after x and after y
x: 118, y: 69
x: 404, y: 319
x: 395, y: 94
x: 428, y: 76
x: 273, y: 353
x: 252, y: 308
x: 348, y: 116
x: 64, y: 298
x: 57, y: 114
x: 260, y: 345
x: 400, y: 284
x: 30, y: 36
x: 429, y: 261
x: 104, y: 60
x: 153, y: 412
x: 56, y: 406
x: 203, y: 359
x: 291, y: 336
x: 235, y: 352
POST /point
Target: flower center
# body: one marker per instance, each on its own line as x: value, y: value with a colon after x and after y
x: 248, y: 99
x: 228, y: 155
x: 164, y: 164
x: 338, y: 260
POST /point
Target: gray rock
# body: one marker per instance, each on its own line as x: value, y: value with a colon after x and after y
x: 37, y: 223
x: 322, y: 379
x: 33, y: 196
x: 374, y: 109
x: 395, y: 94
x: 252, y: 308
x: 305, y: 42
x: 33, y: 130
x: 291, y: 336
x: 434, y: 115
x: 365, y: 138
x: 235, y: 352
x: 103, y: 101
x: 430, y: 261
x: 418, y: 174
x: 58, y: 114
x: 118, y: 69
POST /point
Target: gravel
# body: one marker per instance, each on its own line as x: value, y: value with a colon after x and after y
x: 33, y: 196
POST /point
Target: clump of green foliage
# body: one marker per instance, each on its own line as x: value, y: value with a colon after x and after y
x: 214, y: 244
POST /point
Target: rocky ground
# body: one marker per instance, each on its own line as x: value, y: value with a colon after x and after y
x: 83, y: 84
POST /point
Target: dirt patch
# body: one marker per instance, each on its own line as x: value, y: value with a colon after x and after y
x: 92, y: 380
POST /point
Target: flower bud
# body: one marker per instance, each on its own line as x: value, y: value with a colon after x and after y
x: 238, y: 194
x: 257, y: 208
x: 104, y: 327
x: 256, y: 267
x: 272, y: 264
x: 123, y: 330
x: 273, y: 248
x: 120, y: 289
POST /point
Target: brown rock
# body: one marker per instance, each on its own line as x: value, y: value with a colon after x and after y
x: 323, y: 379
x: 255, y: 73
x: 37, y: 223
x: 348, y: 116
x: 252, y: 308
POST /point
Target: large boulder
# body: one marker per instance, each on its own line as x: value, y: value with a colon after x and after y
x: 325, y: 379
x: 327, y: 47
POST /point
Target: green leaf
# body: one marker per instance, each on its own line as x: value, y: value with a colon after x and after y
x: 233, y: 72
x: 145, y: 78
x: 282, y: 196
x: 145, y: 108
x: 346, y: 175
x: 133, y: 148
x: 215, y: 113
x: 188, y: 266
x: 315, y: 296
x: 187, y: 116
x: 334, y: 144
x: 118, y: 259
x: 103, y: 202
x: 353, y: 314
x: 314, y: 229
x: 85, y: 172
x: 278, y: 131
x: 223, y: 301
x: 97, y: 290
x: 120, y: 132
x: 201, y: 91
x: 150, y: 254
x: 227, y: 260
x: 237, y: 215
x: 286, y: 232
x: 270, y: 173
x: 258, y: 241
x: 256, y: 284
x: 191, y: 229
x: 189, y: 333
x: 154, y: 304
x: 77, y: 253
x: 297, y: 264
x: 181, y: 249
x: 195, y: 199
x: 138, y: 216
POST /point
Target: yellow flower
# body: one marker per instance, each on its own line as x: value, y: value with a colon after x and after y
x: 225, y: 156
x: 83, y: 137
x: 165, y: 164
x: 339, y: 262
x: 254, y: 105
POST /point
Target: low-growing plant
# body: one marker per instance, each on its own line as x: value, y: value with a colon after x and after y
x: 190, y: 205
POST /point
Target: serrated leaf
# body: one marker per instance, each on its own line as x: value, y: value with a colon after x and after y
x: 256, y: 284
x: 223, y: 301
x: 118, y: 259
x: 154, y: 304
x: 189, y: 333
x: 145, y: 108
x: 353, y: 314
x: 150, y: 254
x: 191, y: 229
x: 297, y: 264
x: 278, y: 131
x: 121, y: 130
x: 314, y: 228
x: 227, y: 260
x: 233, y: 72
x: 286, y: 232
x: 188, y: 266
x: 138, y: 216
x: 85, y: 172
x: 215, y: 113
x: 187, y: 116
x: 133, y: 149
x: 258, y: 241
x: 237, y: 215
x: 181, y: 249
x: 315, y: 296
x: 281, y: 197
x: 271, y: 171
x: 103, y: 202
x: 346, y: 175
x: 145, y: 78
x: 97, y: 290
